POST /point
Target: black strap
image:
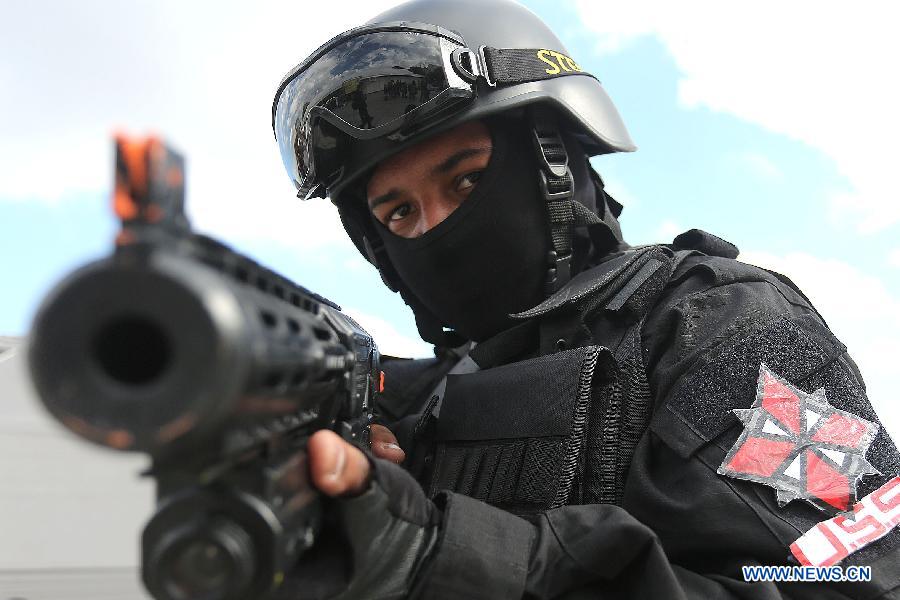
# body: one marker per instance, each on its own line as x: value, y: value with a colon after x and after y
x: 510, y: 66
x: 618, y: 424
x: 558, y: 189
x: 575, y: 445
x: 636, y: 412
x: 623, y: 422
x: 628, y: 290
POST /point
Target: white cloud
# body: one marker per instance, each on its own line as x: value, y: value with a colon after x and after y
x: 860, y: 310
x: 40, y: 168
x: 390, y: 340
x: 202, y: 74
x: 894, y: 257
x: 256, y: 201
x: 815, y: 72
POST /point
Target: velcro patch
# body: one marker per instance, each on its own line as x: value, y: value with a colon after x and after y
x: 801, y: 445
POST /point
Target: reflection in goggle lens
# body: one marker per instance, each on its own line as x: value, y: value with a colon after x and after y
x: 368, y: 85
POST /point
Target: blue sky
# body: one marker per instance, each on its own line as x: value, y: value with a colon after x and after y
x: 754, y: 126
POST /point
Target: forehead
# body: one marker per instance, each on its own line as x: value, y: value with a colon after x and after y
x: 422, y: 157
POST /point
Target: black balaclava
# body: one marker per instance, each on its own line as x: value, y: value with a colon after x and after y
x: 488, y: 258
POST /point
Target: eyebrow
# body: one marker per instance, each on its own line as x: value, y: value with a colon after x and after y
x: 457, y: 157
x: 390, y: 195
x: 444, y: 166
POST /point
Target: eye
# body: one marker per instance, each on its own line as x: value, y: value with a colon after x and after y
x: 399, y: 212
x: 466, y: 182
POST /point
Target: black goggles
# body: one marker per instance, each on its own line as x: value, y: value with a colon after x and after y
x: 386, y: 81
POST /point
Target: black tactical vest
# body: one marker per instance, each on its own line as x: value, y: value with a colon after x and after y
x: 554, y: 413
x: 516, y: 436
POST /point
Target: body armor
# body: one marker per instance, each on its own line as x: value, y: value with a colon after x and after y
x: 559, y: 425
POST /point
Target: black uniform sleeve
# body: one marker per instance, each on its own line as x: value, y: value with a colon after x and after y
x: 682, y: 531
x: 589, y: 551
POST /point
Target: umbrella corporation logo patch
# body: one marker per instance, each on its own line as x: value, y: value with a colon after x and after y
x: 801, y: 445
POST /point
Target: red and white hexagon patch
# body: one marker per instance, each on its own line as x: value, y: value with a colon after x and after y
x: 801, y: 445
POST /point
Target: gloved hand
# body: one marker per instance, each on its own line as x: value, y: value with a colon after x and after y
x: 379, y: 528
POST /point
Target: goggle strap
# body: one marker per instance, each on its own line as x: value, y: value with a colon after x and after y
x: 509, y: 66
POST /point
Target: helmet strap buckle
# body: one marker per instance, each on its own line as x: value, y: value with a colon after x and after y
x: 558, y: 189
x: 559, y: 272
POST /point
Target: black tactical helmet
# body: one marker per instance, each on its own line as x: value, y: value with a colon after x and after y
x: 422, y: 67
x: 426, y: 66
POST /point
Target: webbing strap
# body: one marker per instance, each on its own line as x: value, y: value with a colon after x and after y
x: 583, y: 215
x: 573, y: 458
x: 558, y: 188
x: 635, y: 412
x: 509, y: 66
x: 617, y: 428
x: 624, y: 421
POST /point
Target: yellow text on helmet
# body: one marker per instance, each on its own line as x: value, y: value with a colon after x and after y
x: 558, y: 62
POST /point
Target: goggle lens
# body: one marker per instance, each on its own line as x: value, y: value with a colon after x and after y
x: 365, y: 86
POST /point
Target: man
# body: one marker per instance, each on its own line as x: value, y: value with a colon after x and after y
x: 575, y: 435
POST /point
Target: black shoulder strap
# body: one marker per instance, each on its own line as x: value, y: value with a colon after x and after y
x: 621, y: 422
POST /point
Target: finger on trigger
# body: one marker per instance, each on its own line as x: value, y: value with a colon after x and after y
x: 384, y: 444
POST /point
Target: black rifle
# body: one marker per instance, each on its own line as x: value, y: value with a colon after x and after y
x: 219, y: 369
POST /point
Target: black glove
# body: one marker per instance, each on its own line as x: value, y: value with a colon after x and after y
x: 371, y: 546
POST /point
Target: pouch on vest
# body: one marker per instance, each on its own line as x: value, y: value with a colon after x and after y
x: 607, y: 306
x: 515, y: 435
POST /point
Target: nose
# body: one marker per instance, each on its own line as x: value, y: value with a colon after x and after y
x: 433, y: 209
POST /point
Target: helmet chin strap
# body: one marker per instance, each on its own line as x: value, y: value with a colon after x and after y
x: 558, y: 189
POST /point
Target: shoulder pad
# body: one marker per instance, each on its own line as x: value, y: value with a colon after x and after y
x: 724, y: 271
x: 618, y: 281
x: 721, y: 270
x: 707, y: 243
